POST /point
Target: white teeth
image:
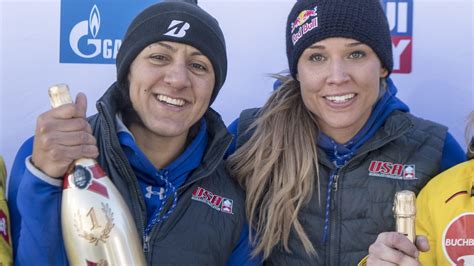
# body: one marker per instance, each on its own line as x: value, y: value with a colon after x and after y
x: 341, y: 98
x: 169, y: 100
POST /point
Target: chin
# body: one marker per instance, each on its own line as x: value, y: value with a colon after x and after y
x: 169, y: 132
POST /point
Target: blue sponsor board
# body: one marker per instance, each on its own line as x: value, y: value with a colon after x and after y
x: 92, y: 30
x: 400, y: 20
x: 400, y: 16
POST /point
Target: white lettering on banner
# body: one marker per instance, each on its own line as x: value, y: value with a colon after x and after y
x: 108, y: 48
x: 460, y: 242
x: 398, y: 51
x: 397, y: 17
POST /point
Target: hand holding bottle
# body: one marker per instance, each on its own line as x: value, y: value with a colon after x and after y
x: 393, y: 248
x: 63, y: 135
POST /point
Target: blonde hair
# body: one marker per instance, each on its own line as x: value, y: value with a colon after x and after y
x: 277, y: 167
x: 469, y: 135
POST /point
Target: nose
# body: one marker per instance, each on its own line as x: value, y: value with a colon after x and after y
x: 177, y: 75
x: 337, y: 73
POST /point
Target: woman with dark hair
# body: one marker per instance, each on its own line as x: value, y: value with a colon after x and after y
x: 156, y: 137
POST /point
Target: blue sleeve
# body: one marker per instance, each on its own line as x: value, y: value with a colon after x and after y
x: 452, y: 153
x: 232, y: 128
x: 37, y: 204
x: 242, y: 252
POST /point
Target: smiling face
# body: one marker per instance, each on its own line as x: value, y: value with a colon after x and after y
x: 170, y: 88
x: 340, y: 83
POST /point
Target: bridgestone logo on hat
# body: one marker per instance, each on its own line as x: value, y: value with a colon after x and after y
x: 177, y: 28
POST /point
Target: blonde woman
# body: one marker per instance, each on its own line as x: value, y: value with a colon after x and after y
x: 323, y: 158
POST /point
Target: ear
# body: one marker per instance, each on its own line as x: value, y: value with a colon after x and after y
x: 383, y: 72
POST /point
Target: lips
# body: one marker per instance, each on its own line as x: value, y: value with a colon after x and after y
x: 171, y: 101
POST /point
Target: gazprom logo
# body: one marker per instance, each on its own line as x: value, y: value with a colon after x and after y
x: 400, y: 20
x: 89, y: 30
x: 85, y: 42
x: 92, y: 30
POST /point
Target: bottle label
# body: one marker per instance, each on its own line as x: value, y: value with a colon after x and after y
x: 86, y: 178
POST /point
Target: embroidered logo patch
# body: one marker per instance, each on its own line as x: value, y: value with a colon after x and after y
x: 215, y: 201
x: 392, y: 170
x: 177, y: 28
x: 150, y: 192
x: 305, y: 22
x: 458, y: 240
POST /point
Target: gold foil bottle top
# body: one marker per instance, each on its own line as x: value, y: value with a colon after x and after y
x: 404, y: 204
x: 59, y: 95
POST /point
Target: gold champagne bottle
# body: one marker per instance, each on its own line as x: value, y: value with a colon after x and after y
x: 404, y: 208
x: 97, y: 226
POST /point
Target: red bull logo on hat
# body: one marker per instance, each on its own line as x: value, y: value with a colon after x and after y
x: 301, y: 24
x: 458, y: 240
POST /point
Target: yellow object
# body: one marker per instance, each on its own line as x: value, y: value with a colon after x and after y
x: 363, y: 262
x: 446, y: 216
x: 5, y: 238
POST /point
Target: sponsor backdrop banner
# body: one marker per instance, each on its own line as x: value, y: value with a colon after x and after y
x: 76, y: 42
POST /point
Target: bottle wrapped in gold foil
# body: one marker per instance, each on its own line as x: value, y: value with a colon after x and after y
x: 404, y: 209
x: 97, y: 226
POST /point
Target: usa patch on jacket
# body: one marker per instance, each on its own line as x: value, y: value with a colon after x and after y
x: 215, y: 201
x: 392, y: 170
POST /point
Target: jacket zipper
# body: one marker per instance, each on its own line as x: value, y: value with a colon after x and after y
x: 156, y: 229
x: 335, y: 183
x: 333, y: 216
x: 141, y: 219
x: 141, y: 202
x: 332, y: 259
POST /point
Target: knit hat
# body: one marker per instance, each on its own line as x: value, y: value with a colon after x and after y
x: 176, y: 21
x: 311, y: 21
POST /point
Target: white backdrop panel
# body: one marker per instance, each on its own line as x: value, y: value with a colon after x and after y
x: 440, y: 87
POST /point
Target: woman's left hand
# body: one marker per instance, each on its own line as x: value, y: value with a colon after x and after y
x: 393, y: 248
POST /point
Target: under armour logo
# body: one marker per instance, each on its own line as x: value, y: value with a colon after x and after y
x: 150, y: 192
x: 177, y: 28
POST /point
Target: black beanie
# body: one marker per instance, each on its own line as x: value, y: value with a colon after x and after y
x: 175, y: 21
x: 311, y: 21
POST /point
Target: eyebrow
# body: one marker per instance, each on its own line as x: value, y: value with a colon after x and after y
x: 167, y: 46
x: 197, y: 53
x: 318, y: 46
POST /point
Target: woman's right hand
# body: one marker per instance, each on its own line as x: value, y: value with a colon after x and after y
x: 63, y: 135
